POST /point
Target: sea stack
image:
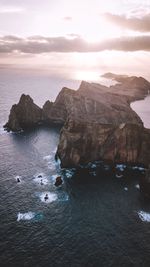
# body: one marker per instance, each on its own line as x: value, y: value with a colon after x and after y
x: 24, y: 115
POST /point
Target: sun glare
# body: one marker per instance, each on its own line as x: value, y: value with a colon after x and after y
x: 105, y: 31
x: 87, y: 76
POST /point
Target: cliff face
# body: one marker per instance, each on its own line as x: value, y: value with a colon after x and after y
x: 24, y: 115
x: 103, y: 126
x: 98, y: 122
x: 58, y: 112
x: 81, y: 143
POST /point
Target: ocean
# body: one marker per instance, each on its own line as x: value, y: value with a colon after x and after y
x: 98, y: 222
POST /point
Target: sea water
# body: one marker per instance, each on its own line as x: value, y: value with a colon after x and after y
x: 101, y: 222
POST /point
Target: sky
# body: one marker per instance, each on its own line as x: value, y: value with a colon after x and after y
x: 79, y: 39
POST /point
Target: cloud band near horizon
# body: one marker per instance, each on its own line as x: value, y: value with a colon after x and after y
x: 141, y: 24
x: 40, y: 44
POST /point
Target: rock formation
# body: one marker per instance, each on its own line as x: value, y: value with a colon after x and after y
x: 101, y: 125
x: 98, y: 122
x: 58, y: 181
x: 24, y: 115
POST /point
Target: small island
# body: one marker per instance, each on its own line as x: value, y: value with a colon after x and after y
x: 97, y: 122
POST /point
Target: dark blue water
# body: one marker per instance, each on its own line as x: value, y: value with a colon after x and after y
x: 86, y: 223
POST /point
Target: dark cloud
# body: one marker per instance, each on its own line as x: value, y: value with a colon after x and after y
x: 40, y: 44
x: 141, y: 24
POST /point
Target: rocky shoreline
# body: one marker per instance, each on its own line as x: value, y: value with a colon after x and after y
x: 97, y: 122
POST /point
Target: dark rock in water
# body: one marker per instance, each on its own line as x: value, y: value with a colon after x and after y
x: 98, y: 122
x: 40, y: 176
x: 46, y: 197
x: 24, y: 115
x: 41, y: 182
x: 18, y: 180
x: 145, y: 184
x: 58, y: 181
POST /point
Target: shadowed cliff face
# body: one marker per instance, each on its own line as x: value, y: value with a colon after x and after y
x: 82, y: 143
x: 24, y: 115
x: 98, y: 122
x: 103, y: 126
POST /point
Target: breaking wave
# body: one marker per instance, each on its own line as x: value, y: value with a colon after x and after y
x: 144, y: 216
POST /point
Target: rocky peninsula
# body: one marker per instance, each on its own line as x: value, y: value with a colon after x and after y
x: 97, y: 121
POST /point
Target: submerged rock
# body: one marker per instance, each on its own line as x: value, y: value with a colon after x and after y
x: 58, y: 181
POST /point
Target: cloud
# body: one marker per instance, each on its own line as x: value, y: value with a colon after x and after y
x: 67, y: 18
x: 141, y: 24
x: 41, y: 44
x: 11, y: 10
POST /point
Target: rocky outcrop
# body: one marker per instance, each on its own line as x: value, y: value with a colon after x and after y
x: 24, y: 115
x: 102, y: 125
x: 47, y: 110
x: 132, y: 87
x: 58, y: 181
x: 81, y: 143
x: 98, y: 122
x: 58, y: 112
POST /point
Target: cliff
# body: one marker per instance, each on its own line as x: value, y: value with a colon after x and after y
x: 24, y: 115
x: 98, y: 122
x: 102, y: 125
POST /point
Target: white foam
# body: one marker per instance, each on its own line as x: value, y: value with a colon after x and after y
x: 51, y: 197
x: 54, y: 151
x: 69, y: 173
x: 2, y: 131
x: 93, y: 165
x: 144, y: 216
x: 25, y: 216
x: 18, y: 177
x: 48, y: 157
x: 41, y: 181
x: 137, y: 186
x: 126, y: 188
x: 54, y: 176
x: 120, y: 167
x: 138, y: 168
x: 119, y: 175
